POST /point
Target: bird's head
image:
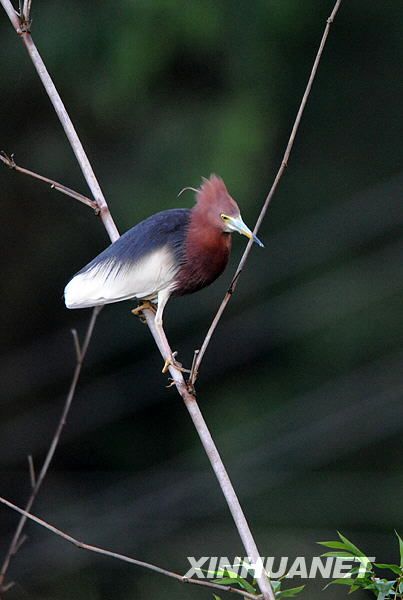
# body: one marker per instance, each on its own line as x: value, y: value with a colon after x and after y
x: 220, y: 209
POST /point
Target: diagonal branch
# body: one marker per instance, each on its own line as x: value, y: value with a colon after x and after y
x: 122, y: 557
x: 215, y: 461
x: 190, y: 400
x: 9, y: 162
x: 26, y: 10
x: 280, y: 172
x: 21, y: 26
x: 37, y: 481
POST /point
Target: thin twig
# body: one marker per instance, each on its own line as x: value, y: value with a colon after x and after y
x: 26, y: 11
x: 21, y: 542
x: 79, y: 355
x: 123, y: 557
x: 15, y: 542
x: 31, y: 467
x: 9, y: 162
x: 191, y: 387
x: 283, y: 166
x: 64, y: 119
x: 8, y: 587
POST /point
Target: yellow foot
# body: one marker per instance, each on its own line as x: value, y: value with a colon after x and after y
x: 146, y: 305
x: 172, y: 362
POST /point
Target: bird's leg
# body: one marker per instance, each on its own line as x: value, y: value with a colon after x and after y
x: 146, y: 305
x: 170, y: 361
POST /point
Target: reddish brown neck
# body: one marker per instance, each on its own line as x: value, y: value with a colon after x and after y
x: 207, y: 251
x: 204, y: 232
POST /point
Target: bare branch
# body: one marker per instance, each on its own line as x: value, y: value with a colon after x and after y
x: 193, y: 375
x: 32, y: 476
x: 283, y: 166
x: 21, y: 542
x: 26, y: 11
x: 37, y: 482
x: 214, y: 458
x: 7, y: 588
x: 9, y: 162
x: 123, y: 557
x: 64, y: 119
x: 76, y: 345
x: 12, y: 15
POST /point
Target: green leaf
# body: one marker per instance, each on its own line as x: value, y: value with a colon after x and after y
x: 338, y: 554
x: 350, y: 546
x: 358, y: 570
x: 225, y: 581
x: 341, y: 581
x: 361, y: 582
x: 290, y: 593
x: 370, y: 586
x: 353, y: 588
x: 216, y: 597
x: 384, y: 588
x: 394, y: 568
x: 333, y: 544
x: 246, y: 585
x: 226, y: 573
x: 228, y: 577
x: 354, y: 584
x: 400, y: 548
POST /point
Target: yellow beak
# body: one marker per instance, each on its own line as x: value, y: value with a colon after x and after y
x: 237, y: 224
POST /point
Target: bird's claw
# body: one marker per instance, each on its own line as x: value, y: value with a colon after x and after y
x: 138, y: 312
x: 191, y: 388
x: 8, y: 160
x: 172, y: 362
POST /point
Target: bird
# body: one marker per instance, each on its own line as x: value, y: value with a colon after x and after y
x: 171, y: 253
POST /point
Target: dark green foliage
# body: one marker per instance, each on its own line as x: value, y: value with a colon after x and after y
x: 233, y: 579
x: 381, y: 586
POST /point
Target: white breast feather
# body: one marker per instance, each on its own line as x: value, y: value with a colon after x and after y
x: 106, y: 283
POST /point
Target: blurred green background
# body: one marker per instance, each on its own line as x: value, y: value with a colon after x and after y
x: 302, y: 384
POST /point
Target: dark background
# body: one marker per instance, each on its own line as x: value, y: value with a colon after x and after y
x: 302, y: 384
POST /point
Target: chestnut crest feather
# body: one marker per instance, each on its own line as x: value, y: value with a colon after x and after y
x: 214, y: 202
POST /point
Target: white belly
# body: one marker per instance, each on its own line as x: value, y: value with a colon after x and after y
x: 113, y: 281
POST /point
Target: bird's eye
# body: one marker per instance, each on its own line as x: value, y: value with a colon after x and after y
x: 224, y: 217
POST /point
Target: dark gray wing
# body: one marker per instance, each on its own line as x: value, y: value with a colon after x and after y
x: 142, y: 262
